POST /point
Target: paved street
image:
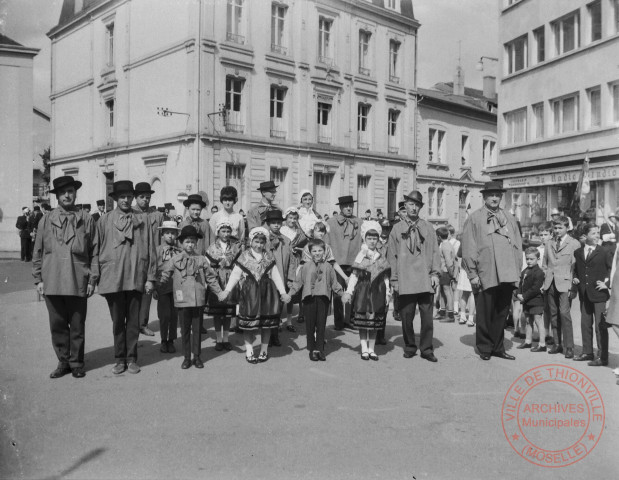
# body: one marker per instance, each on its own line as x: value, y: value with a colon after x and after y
x: 287, y: 418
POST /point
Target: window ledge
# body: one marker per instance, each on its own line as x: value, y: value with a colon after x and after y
x: 437, y: 166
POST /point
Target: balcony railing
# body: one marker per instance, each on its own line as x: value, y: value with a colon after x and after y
x: 394, y: 79
x: 233, y: 37
x: 364, y: 71
x: 279, y: 49
x: 326, y: 60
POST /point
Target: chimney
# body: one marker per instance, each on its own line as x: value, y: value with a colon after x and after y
x: 490, y: 87
x: 459, y: 81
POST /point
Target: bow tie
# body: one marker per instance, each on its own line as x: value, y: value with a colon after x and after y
x: 350, y: 226
x: 414, y: 237
x: 496, y: 221
x: 65, y: 230
x: 124, y: 228
x: 168, y: 253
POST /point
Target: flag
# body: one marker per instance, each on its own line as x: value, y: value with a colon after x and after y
x: 583, y: 190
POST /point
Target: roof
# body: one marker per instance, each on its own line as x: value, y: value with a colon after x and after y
x: 473, y: 99
x: 4, y: 40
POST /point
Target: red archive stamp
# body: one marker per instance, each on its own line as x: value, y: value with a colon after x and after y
x: 553, y: 415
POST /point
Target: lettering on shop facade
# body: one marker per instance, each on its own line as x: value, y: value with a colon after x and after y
x: 595, y: 174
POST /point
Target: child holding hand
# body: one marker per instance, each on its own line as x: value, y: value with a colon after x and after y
x: 530, y: 295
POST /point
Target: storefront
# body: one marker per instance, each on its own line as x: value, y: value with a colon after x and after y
x: 531, y: 198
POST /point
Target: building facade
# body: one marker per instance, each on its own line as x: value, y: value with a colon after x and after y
x: 457, y: 132
x: 559, y: 93
x: 194, y: 95
x: 16, y: 137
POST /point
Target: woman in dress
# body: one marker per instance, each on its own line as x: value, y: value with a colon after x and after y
x: 308, y: 216
x: 369, y: 289
x: 259, y: 302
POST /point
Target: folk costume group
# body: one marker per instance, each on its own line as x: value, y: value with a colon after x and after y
x: 243, y: 275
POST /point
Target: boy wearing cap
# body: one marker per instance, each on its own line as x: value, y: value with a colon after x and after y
x: 128, y: 269
x: 168, y: 316
x: 256, y: 216
x: 344, y: 239
x: 65, y: 251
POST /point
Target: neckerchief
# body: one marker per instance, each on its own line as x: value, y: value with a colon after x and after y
x: 318, y: 271
x: 168, y: 252
x: 496, y: 222
x: 275, y: 240
x: 188, y: 265
x: 124, y: 225
x: 351, y: 226
x: 253, y: 266
x: 64, y: 225
x: 414, y: 236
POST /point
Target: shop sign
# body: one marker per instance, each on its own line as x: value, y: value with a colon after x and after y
x: 595, y: 174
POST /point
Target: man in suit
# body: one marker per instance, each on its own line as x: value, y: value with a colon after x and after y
x: 344, y: 238
x: 65, y: 249
x: 559, y: 268
x: 100, y: 210
x: 608, y: 231
x: 492, y: 259
x: 591, y: 280
x: 23, y: 225
x: 413, y: 254
x: 256, y: 216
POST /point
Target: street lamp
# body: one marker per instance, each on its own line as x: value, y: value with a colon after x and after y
x: 480, y: 64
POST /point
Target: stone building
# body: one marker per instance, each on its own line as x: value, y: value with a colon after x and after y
x: 194, y: 95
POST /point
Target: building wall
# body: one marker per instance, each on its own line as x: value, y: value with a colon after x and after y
x: 156, y: 64
x: 16, y: 135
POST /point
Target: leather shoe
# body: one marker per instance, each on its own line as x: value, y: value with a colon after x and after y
x: 569, y: 353
x: 313, y: 357
x: 555, y: 349
x: 197, y: 362
x: 583, y: 357
x: 227, y: 346
x: 598, y: 362
x: 429, y: 357
x: 219, y: 346
x: 133, y: 368
x: 321, y: 357
x: 409, y: 354
x: 524, y: 345
x: 504, y: 355
x: 147, y: 331
x: 78, y: 372
x: 484, y: 356
x: 539, y: 348
x: 186, y: 363
x: 171, y: 347
x: 164, y: 347
x: 60, y: 372
x: 119, y: 368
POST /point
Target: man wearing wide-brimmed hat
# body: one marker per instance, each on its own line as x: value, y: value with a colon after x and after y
x: 256, y: 216
x: 344, y: 238
x: 415, y: 265
x: 143, y: 192
x: 128, y: 265
x: 65, y: 270
x: 492, y: 259
x: 194, y: 205
x: 608, y: 231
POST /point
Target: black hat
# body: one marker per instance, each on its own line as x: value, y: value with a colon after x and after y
x: 345, y: 199
x: 143, y: 187
x: 161, y: 209
x: 228, y: 192
x: 189, y: 231
x: 122, y: 186
x: 492, y: 187
x: 267, y: 185
x: 275, y: 214
x: 169, y: 206
x: 194, y: 198
x: 414, y: 196
x: 36, y: 208
x: 87, y: 206
x: 101, y: 203
x: 401, y: 206
x: 66, y: 181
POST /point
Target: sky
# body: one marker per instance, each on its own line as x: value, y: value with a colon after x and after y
x: 444, y: 23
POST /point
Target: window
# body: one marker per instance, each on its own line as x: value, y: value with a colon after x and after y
x: 440, y: 211
x: 363, y: 130
x: 109, y: 123
x: 595, y: 20
x: 516, y: 53
x: 394, y: 48
x: 234, y: 97
x: 595, y: 107
x: 614, y: 90
x: 393, y: 5
x: 465, y: 150
x: 516, y: 126
x: 235, y: 32
x: 539, y: 36
x: 436, y: 152
x: 364, y: 52
x: 566, y: 33
x: 234, y: 178
x: 109, y: 44
x: 489, y: 157
x: 322, y: 192
x: 393, y: 132
x: 324, y: 124
x: 278, y: 125
x: 538, y: 121
x: 364, y: 194
x: 565, y: 114
x: 325, y: 46
x: 278, y: 14
x: 278, y: 175
x: 431, y: 202
x: 392, y: 196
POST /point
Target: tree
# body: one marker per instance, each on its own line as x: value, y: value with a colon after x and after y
x: 45, y: 156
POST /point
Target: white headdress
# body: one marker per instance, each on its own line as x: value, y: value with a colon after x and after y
x: 290, y: 210
x: 258, y: 231
x: 221, y: 224
x: 369, y: 225
x: 302, y: 193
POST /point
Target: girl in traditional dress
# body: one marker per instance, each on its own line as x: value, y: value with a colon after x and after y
x: 308, y: 216
x: 222, y: 255
x: 369, y: 289
x: 259, y: 302
x: 298, y: 240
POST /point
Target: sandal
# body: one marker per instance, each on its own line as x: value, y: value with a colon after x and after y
x: 365, y: 356
x: 373, y: 356
x: 251, y: 359
x: 263, y: 357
